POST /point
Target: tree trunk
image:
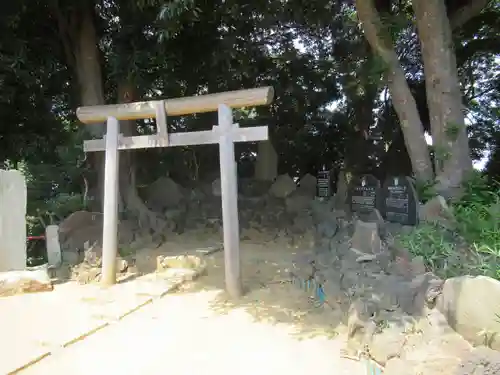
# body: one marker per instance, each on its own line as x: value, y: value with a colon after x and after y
x: 131, y: 205
x: 444, y: 98
x: 87, y: 66
x: 403, y: 101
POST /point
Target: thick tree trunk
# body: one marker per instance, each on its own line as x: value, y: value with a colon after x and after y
x: 403, y: 101
x: 87, y: 66
x: 131, y: 205
x: 444, y: 98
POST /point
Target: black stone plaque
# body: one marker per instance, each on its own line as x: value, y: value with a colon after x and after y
x: 400, y: 203
x: 324, y: 184
x: 364, y: 193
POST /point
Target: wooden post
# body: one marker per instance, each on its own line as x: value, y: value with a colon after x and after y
x: 229, y: 196
x: 110, y: 225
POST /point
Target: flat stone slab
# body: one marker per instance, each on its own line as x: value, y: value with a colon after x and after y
x: 35, y: 326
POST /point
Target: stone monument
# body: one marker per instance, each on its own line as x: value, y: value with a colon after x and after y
x: 399, y: 201
x: 12, y: 221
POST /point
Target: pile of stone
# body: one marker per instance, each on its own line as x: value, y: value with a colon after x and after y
x: 402, y: 316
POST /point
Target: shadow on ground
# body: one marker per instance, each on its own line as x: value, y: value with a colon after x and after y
x: 269, y: 295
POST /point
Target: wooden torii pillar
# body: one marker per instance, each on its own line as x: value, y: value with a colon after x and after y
x: 225, y: 134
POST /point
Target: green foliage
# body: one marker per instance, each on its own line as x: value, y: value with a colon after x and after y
x: 55, y: 189
x: 473, y: 247
x: 426, y: 190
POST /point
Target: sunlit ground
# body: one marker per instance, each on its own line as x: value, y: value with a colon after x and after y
x: 274, y: 329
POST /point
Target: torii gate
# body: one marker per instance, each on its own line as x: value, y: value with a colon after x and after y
x: 225, y: 134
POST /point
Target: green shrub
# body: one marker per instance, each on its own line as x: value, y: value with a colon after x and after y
x: 474, y: 246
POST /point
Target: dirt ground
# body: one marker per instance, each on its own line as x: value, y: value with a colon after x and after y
x: 274, y: 328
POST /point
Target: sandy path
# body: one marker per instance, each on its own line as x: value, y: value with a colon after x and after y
x: 273, y: 329
x: 182, y: 334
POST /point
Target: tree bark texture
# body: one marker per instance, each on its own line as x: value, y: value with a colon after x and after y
x: 402, y: 98
x: 444, y: 98
x: 130, y: 201
x: 87, y: 67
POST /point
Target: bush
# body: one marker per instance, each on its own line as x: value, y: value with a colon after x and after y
x: 474, y: 246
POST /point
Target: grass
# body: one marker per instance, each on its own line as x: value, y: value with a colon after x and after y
x: 473, y: 246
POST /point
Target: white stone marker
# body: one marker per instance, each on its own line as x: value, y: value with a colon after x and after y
x: 53, y: 245
x: 12, y: 221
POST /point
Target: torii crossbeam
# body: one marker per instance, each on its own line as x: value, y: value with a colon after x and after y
x: 225, y: 134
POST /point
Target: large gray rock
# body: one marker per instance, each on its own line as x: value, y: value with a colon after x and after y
x: 283, y: 186
x: 164, y: 193
x: 307, y: 185
x: 297, y: 202
x: 472, y: 307
x: 78, y: 220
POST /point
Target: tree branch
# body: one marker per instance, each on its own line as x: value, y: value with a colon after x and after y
x: 461, y: 16
x: 64, y: 35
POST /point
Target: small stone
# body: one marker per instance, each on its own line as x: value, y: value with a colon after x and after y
x: 387, y: 344
x: 366, y: 258
x: 93, y: 256
x: 121, y: 265
x: 418, y: 265
x: 436, y: 211
x: 366, y: 238
x: 375, y: 217
x: 360, y: 323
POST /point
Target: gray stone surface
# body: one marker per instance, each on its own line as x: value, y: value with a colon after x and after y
x: 12, y: 221
x: 472, y: 307
x: 164, y: 193
x: 54, y: 256
x: 307, y: 185
x: 283, y: 186
x: 366, y: 239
